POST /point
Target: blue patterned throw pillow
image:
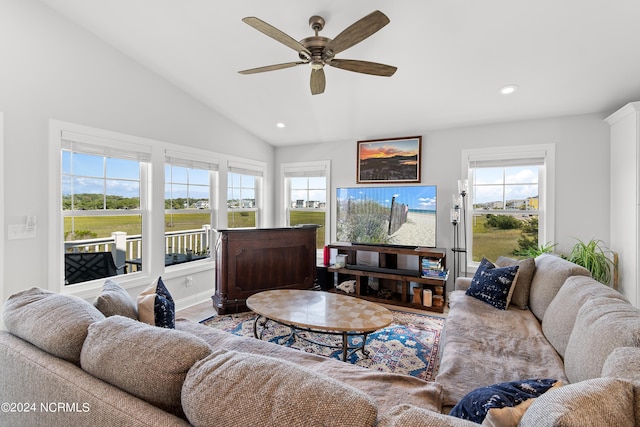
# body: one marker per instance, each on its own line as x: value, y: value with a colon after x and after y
x: 493, y: 285
x: 156, y: 306
x: 475, y: 405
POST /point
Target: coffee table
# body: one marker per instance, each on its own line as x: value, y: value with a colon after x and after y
x: 320, y: 312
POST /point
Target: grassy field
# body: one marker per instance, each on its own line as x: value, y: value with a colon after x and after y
x: 241, y: 219
x: 306, y: 217
x: 104, y: 226
x: 492, y: 243
x: 132, y: 224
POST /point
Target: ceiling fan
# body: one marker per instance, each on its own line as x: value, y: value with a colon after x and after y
x: 319, y: 51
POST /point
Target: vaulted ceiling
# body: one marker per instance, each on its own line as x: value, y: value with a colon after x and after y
x: 566, y: 57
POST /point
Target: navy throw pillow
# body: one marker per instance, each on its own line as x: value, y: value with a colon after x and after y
x: 156, y: 306
x: 475, y: 405
x: 493, y: 285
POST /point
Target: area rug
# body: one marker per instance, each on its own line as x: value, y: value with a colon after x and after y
x: 408, y: 346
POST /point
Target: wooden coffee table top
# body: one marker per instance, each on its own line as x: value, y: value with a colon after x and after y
x: 320, y: 310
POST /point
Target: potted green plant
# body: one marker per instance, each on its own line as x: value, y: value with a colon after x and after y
x: 593, y: 256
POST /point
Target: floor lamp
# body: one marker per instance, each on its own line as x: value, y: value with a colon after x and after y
x: 459, y: 215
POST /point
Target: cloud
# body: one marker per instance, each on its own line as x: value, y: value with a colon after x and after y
x: 427, y: 203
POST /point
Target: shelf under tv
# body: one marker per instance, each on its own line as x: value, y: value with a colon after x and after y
x: 390, y: 276
x: 395, y: 271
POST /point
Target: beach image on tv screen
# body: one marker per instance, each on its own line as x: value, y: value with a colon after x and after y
x: 390, y: 215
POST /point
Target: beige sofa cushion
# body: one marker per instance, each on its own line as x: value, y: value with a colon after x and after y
x: 53, y: 322
x: 551, y: 273
x: 412, y: 416
x: 115, y: 300
x: 230, y: 388
x: 602, y: 325
x: 484, y: 346
x: 560, y: 316
x: 623, y: 362
x: 147, y: 361
x: 597, y: 402
x: 522, y: 286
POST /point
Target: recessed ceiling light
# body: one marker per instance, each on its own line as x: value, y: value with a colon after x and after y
x: 508, y: 89
x: 280, y: 125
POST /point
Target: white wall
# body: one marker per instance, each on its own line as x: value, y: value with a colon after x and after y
x: 2, y: 202
x: 582, y: 169
x: 52, y: 69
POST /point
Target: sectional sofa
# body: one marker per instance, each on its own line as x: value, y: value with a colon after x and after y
x: 65, y: 362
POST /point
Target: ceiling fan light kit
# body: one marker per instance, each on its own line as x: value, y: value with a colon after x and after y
x: 318, y: 51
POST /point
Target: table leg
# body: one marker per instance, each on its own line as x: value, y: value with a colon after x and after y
x: 345, y: 346
x: 255, y: 326
x: 365, y: 353
x: 263, y: 324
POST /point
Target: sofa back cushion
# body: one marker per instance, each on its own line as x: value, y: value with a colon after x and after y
x: 560, y: 316
x: 53, y: 322
x: 602, y: 325
x: 231, y: 388
x: 522, y: 286
x: 597, y: 402
x: 551, y: 273
x: 115, y: 300
x: 146, y: 361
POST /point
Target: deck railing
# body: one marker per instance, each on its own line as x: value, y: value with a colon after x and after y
x: 127, y: 247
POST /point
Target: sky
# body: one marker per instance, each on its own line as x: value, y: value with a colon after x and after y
x: 404, y: 147
x: 515, y: 183
x: 422, y: 197
x: 122, y: 177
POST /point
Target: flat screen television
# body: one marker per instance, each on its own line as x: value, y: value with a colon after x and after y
x: 387, y: 215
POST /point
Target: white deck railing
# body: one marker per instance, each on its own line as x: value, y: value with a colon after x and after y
x: 126, y: 247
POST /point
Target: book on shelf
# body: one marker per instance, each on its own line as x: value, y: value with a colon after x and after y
x: 436, y: 274
x: 432, y: 264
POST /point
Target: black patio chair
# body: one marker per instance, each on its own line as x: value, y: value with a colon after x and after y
x: 85, y: 266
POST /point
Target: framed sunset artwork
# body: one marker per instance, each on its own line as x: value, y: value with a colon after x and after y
x: 395, y: 160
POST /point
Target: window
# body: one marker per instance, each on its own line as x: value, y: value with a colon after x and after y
x: 510, y: 203
x: 243, y: 202
x: 103, y: 196
x: 188, y: 210
x: 306, y: 196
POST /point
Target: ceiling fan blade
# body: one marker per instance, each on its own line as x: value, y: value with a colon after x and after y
x: 318, y: 81
x: 364, y: 67
x: 271, y: 67
x: 357, y: 32
x: 277, y: 35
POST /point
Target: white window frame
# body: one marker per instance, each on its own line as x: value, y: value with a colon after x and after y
x: 306, y: 169
x: 153, y: 184
x: 197, y: 159
x: 258, y: 171
x: 506, y: 156
x: 103, y: 141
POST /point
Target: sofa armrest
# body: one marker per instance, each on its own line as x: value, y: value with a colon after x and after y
x: 35, y: 376
x: 462, y: 283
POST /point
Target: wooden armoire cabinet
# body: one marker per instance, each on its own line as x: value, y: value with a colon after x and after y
x: 253, y: 260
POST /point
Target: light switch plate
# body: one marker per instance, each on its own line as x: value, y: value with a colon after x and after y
x: 19, y: 231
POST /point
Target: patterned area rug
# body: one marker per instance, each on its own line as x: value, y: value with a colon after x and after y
x: 408, y: 346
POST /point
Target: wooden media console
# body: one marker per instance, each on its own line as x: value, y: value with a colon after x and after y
x: 393, y: 282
